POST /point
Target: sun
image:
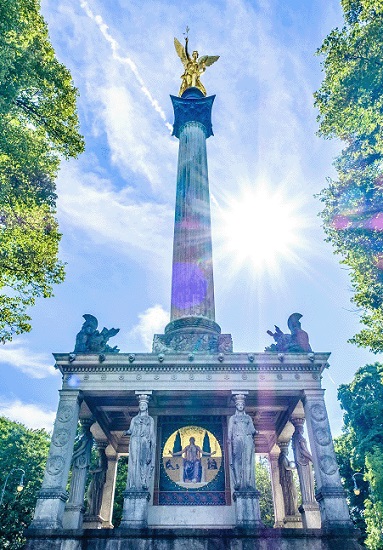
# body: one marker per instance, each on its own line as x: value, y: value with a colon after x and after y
x: 262, y: 229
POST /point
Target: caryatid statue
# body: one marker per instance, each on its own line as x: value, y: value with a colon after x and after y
x: 303, y: 460
x: 141, y: 448
x: 241, y: 433
x: 286, y: 480
x: 193, y: 66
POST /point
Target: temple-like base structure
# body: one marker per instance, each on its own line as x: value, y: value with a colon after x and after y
x: 193, y: 539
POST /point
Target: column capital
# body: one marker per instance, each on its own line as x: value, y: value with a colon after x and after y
x: 309, y: 395
x: 192, y: 110
x: 297, y: 421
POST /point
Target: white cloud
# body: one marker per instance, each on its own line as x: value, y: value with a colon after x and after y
x: 89, y: 202
x: 152, y: 321
x: 33, y: 416
x: 35, y: 365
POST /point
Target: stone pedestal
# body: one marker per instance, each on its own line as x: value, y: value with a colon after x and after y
x: 247, y: 509
x: 93, y: 522
x: 311, y: 517
x: 135, y: 510
x: 292, y: 522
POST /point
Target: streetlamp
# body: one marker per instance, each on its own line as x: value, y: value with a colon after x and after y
x: 356, y: 488
x: 19, y: 487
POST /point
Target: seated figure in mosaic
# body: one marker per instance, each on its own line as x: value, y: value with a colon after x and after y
x: 192, y: 467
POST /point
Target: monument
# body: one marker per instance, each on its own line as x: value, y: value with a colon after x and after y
x: 193, y: 414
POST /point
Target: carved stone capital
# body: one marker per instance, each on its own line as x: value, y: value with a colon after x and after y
x: 194, y: 111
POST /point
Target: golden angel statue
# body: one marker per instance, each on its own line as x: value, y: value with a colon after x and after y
x: 193, y: 65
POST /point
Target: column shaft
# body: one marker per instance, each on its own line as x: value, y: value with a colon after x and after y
x: 108, y: 495
x: 192, y: 280
x: 279, y: 507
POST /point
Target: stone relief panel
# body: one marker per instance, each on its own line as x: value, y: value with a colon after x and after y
x: 328, y: 465
x: 192, y: 342
x: 60, y: 437
x: 55, y: 465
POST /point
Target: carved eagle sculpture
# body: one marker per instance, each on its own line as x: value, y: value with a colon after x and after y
x: 193, y: 66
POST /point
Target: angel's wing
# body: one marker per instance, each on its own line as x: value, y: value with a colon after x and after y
x: 180, y: 51
x: 207, y: 60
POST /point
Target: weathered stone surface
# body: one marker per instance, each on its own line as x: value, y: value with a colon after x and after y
x: 194, y: 539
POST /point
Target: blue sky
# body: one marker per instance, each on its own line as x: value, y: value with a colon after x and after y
x: 116, y: 201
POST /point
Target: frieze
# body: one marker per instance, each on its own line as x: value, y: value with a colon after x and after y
x: 72, y: 369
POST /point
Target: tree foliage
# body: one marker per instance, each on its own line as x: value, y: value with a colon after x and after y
x: 360, y: 450
x: 350, y: 103
x: 38, y: 126
x: 26, y: 449
x: 263, y: 482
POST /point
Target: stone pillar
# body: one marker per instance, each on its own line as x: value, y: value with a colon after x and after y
x: 309, y: 507
x: 140, y: 467
x: 93, y: 518
x: 330, y: 494
x: 110, y: 485
x: 51, y: 498
x: 292, y: 517
x: 279, y: 507
x: 74, y: 509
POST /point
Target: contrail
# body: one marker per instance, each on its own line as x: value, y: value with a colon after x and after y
x: 104, y: 29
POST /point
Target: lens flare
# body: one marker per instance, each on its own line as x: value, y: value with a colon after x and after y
x: 262, y: 229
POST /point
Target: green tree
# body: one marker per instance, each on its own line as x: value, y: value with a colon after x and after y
x: 177, y: 447
x: 263, y: 482
x: 350, y: 103
x: 38, y: 126
x: 360, y: 449
x: 26, y: 449
x: 122, y: 475
x: 206, y: 447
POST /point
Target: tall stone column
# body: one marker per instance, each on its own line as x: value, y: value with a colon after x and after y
x: 51, y: 499
x: 192, y: 280
x: 330, y: 493
x: 303, y: 460
x: 109, y: 489
x: 279, y: 507
x: 192, y: 324
x: 74, y: 509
